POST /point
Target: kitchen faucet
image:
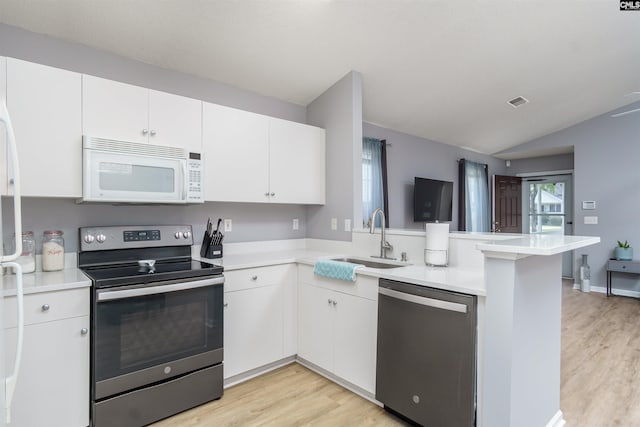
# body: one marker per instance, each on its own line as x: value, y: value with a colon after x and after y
x: 384, y: 245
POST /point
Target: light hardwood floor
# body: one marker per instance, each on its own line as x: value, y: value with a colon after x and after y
x: 600, y: 379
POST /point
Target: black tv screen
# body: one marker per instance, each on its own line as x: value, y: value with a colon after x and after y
x: 432, y: 200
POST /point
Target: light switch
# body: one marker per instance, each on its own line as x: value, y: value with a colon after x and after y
x: 334, y: 223
x: 295, y: 224
x: 228, y: 225
x: 347, y: 224
x: 591, y: 220
x: 588, y: 205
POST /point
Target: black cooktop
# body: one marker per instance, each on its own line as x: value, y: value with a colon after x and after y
x: 130, y: 274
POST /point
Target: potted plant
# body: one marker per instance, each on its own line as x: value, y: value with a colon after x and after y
x: 623, y: 251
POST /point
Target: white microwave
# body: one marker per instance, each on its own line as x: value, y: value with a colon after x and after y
x: 129, y: 172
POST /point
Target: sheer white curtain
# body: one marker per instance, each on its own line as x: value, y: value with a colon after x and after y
x: 372, y: 191
x: 476, y: 197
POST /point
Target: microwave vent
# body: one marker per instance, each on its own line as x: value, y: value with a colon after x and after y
x: 135, y: 148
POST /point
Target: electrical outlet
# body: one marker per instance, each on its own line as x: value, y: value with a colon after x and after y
x: 334, y: 223
x: 296, y: 224
x: 347, y: 224
x: 228, y: 225
x: 591, y: 220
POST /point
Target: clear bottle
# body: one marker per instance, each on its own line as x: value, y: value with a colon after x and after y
x: 52, y: 251
x: 27, y: 258
x: 585, y: 275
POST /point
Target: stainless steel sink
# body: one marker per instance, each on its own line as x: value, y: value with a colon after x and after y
x: 371, y: 263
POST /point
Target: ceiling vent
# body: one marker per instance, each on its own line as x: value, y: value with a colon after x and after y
x: 518, y: 101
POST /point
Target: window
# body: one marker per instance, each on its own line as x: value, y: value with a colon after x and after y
x: 374, y: 177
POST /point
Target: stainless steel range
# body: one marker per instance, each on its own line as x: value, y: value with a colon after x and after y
x: 156, y: 323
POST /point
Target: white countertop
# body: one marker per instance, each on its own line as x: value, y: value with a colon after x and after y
x: 46, y: 281
x: 455, y: 279
x: 538, y: 244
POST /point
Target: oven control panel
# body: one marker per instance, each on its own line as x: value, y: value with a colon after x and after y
x: 124, y: 237
x: 141, y: 235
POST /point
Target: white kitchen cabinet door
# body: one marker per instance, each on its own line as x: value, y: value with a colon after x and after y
x: 297, y: 162
x: 3, y: 129
x: 53, y: 385
x: 236, y: 147
x: 355, y: 338
x: 290, y: 296
x: 114, y: 110
x: 175, y: 121
x: 252, y: 328
x: 315, y: 325
x: 46, y: 112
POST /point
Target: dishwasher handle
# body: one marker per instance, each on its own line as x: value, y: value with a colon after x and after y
x: 430, y: 302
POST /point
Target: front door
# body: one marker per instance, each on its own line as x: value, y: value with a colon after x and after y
x: 507, y: 204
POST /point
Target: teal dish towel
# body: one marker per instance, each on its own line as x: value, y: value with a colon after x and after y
x: 336, y: 269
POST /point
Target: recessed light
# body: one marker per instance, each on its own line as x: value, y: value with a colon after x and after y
x: 518, y: 101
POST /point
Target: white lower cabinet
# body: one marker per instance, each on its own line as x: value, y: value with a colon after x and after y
x: 337, y: 330
x: 53, y: 385
x: 259, y: 327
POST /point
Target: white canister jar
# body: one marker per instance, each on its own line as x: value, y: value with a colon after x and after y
x: 52, y: 251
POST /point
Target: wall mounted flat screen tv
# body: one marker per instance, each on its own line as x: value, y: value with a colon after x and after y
x: 432, y: 200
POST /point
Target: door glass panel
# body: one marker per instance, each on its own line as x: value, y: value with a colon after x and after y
x: 547, y: 208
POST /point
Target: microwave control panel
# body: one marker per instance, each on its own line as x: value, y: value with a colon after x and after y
x: 195, y: 193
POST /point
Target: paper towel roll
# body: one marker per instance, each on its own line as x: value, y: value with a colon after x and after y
x: 436, y: 244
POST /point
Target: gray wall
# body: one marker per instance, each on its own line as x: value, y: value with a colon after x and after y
x: 18, y: 43
x: 339, y: 111
x: 541, y: 164
x: 251, y: 221
x: 606, y: 153
x: 410, y: 156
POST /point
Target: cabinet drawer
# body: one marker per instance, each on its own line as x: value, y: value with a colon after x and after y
x: 364, y: 286
x: 248, y: 278
x: 624, y: 266
x: 61, y: 305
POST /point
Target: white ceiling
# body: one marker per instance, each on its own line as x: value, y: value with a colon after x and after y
x: 439, y: 69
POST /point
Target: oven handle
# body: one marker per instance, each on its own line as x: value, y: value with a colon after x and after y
x: 107, y: 295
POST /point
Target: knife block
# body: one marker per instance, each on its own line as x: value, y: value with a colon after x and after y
x: 213, y: 251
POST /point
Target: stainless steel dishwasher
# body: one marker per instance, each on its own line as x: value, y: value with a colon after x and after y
x: 426, y: 365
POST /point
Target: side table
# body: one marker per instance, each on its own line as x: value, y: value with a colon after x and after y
x: 615, y: 266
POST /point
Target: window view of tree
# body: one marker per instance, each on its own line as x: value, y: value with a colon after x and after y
x: 546, y: 208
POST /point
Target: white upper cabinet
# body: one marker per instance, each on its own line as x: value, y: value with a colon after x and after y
x: 237, y: 153
x: 125, y: 112
x: 255, y: 158
x: 46, y: 112
x: 3, y: 129
x: 175, y: 121
x: 297, y: 162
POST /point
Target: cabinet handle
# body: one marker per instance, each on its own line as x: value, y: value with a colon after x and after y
x: 272, y: 194
x: 254, y: 278
x: 334, y: 302
x: 84, y: 331
x: 329, y: 301
x: 266, y: 194
x: 153, y: 132
x: 226, y: 304
x: 45, y: 307
x: 144, y: 131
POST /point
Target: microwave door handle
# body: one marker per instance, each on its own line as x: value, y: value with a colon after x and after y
x: 17, y: 204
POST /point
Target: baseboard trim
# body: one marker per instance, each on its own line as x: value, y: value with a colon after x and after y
x: 346, y: 384
x: 557, y: 420
x: 615, y: 291
x: 246, y: 376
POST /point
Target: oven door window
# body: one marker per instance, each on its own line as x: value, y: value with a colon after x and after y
x: 145, y: 331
